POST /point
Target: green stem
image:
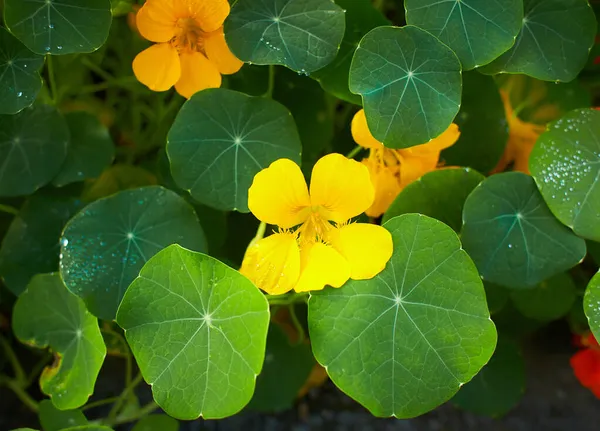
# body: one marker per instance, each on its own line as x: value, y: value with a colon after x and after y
x: 269, y: 92
x: 20, y: 376
x: 116, y: 82
x: 354, y: 152
x: 260, y: 233
x: 142, y: 412
x: 21, y: 394
x: 37, y: 369
x: 291, y: 298
x: 52, y: 79
x: 97, y: 70
x: 8, y: 209
x: 100, y: 403
x: 124, y: 395
x: 297, y: 324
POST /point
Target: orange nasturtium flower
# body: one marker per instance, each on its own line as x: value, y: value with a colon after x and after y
x: 324, y: 248
x: 191, y: 52
x: 586, y: 363
x: 392, y: 170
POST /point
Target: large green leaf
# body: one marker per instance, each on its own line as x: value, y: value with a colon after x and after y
x: 59, y: 26
x: 31, y: 245
x: 33, y: 146
x: 106, y: 244
x: 550, y: 300
x: 512, y: 236
x: 222, y: 138
x: 499, y: 386
x: 405, y: 341
x: 554, y: 42
x: 48, y: 315
x: 439, y: 194
x: 157, y: 423
x: 20, y: 79
x: 304, y: 35
x: 482, y: 123
x: 361, y: 17
x: 408, y: 98
x: 477, y: 30
x: 53, y: 419
x: 591, y: 305
x: 198, y: 330
x: 90, y: 149
x: 565, y: 164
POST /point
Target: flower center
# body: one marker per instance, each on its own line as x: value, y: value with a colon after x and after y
x: 189, y: 37
x: 315, y: 229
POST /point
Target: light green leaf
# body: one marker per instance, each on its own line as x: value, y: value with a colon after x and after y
x: 157, y: 423
x: 499, y: 386
x: 482, y: 124
x: 565, y: 164
x: 198, y: 330
x: 439, y: 194
x: 477, y: 30
x: 31, y: 245
x: 20, y: 80
x: 118, y: 178
x: 222, y: 138
x: 591, y: 305
x: 361, y: 17
x: 512, y: 236
x: 408, y: 98
x: 554, y: 42
x: 90, y: 149
x: 304, y: 35
x: 53, y: 419
x: 48, y: 315
x: 550, y: 300
x: 33, y: 146
x: 59, y: 26
x: 106, y: 244
x: 404, y: 342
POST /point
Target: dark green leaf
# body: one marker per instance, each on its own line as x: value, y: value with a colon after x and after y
x: 20, y: 79
x: 594, y: 251
x: 157, y: 423
x: 511, y: 323
x: 554, y: 42
x: 106, y: 244
x: 48, y: 315
x: 565, y: 164
x: 53, y: 419
x: 118, y: 178
x: 33, y: 146
x: 512, y: 236
x: 497, y: 296
x: 591, y: 305
x: 404, y: 342
x: 222, y: 138
x: 439, y: 194
x: 304, y: 35
x: 59, y: 26
x: 550, y: 300
x: 408, y: 98
x: 198, y: 330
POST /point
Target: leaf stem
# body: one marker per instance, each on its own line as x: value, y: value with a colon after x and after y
x: 288, y: 299
x: 354, y: 152
x: 112, y: 416
x: 8, y: 209
x: 142, y: 412
x: 297, y: 324
x: 260, y: 233
x: 37, y: 369
x: 100, y: 403
x: 269, y: 92
x: 20, y: 393
x: 52, y: 79
x: 20, y: 376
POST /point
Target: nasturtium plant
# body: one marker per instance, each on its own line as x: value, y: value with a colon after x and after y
x: 592, y: 304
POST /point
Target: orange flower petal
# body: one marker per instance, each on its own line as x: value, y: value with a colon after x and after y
x: 158, y: 67
x: 208, y: 14
x: 361, y: 133
x: 586, y: 366
x: 218, y: 52
x: 156, y: 20
x: 321, y: 265
x: 197, y: 73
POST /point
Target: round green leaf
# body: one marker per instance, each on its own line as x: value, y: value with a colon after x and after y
x: 20, y: 80
x: 59, y: 26
x: 53, y: 419
x: 304, y: 35
x: 33, y: 146
x: 157, y: 423
x: 554, y: 42
x: 284, y: 372
x: 550, y: 300
x: 565, y: 164
x: 439, y: 194
x: 499, y: 386
x: 90, y: 149
x: 404, y: 342
x: 106, y: 244
x: 31, y: 245
x: 512, y: 236
x: 222, y: 138
x: 48, y: 315
x: 482, y: 124
x: 591, y: 304
x: 408, y: 98
x: 361, y: 17
x: 477, y: 30
x: 198, y: 330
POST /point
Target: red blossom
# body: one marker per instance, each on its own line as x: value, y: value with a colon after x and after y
x: 586, y: 363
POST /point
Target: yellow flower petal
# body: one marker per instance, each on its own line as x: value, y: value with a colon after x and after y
x: 158, y: 67
x: 208, y: 14
x: 341, y: 187
x: 273, y: 263
x: 218, y: 52
x: 322, y: 265
x: 197, y: 73
x: 156, y: 20
x: 387, y: 187
x: 361, y: 133
x: 279, y: 196
x: 367, y: 247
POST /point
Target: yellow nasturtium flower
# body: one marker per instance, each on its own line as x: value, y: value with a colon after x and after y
x: 392, y: 170
x: 191, y: 52
x: 324, y: 248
